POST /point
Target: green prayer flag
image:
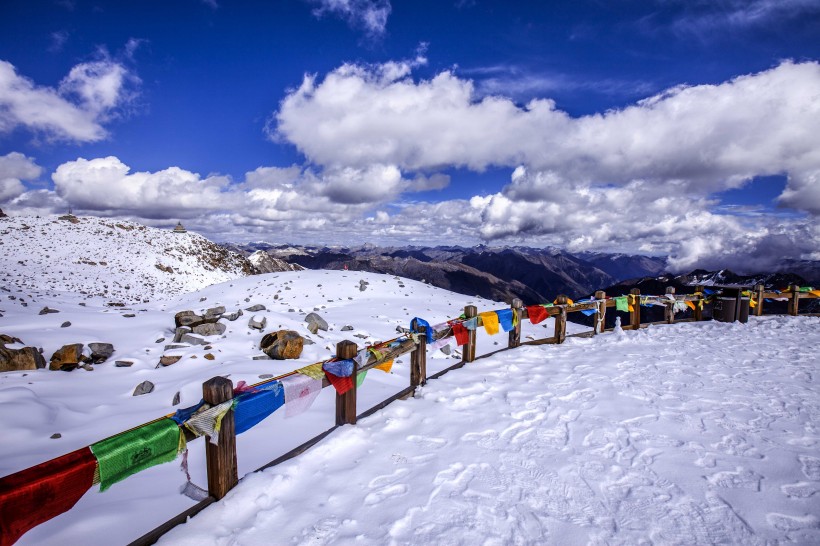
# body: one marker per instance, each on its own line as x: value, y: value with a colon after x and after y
x: 621, y: 304
x: 130, y: 452
x: 360, y: 378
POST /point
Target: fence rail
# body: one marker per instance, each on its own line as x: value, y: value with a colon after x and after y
x: 219, y: 392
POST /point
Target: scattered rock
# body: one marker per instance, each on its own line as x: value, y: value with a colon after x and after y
x: 160, y: 340
x: 208, y: 356
x: 176, y: 346
x: 309, y: 341
x: 262, y: 357
x: 193, y: 339
x: 143, y: 388
x: 56, y: 436
x: 446, y: 349
x: 66, y: 324
x: 233, y: 316
x: 123, y: 363
x: 360, y: 336
x: 13, y: 360
x: 313, y: 318
x: 129, y: 315
x: 100, y: 352
x: 363, y: 285
x: 175, y: 401
x: 215, y: 312
x: 347, y: 328
x: 257, y: 322
x: 282, y: 345
x: 168, y: 360
x: 266, y: 376
x: 256, y: 307
x: 67, y: 357
x: 87, y: 367
x: 45, y: 311
x: 210, y: 329
x: 179, y: 332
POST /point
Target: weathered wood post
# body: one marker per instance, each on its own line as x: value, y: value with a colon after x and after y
x: 600, y: 314
x: 346, y: 403
x: 418, y: 360
x: 220, y: 458
x: 468, y: 354
x: 635, y: 314
x: 561, y: 319
x: 794, y: 300
x: 515, y: 334
x: 669, y: 310
x: 759, y: 289
x: 699, y: 304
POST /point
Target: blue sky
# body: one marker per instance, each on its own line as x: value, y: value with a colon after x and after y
x: 683, y: 128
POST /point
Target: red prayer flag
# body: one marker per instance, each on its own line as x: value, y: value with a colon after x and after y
x: 537, y: 313
x: 341, y: 384
x: 461, y: 333
x: 37, y: 494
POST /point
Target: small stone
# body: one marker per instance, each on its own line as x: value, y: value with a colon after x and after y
x: 45, y: 311
x: 215, y: 311
x: 179, y: 332
x: 123, y: 363
x: 171, y: 346
x: 347, y: 328
x: 56, y: 436
x: 309, y: 341
x: 175, y: 401
x: 446, y: 349
x: 193, y: 339
x: 100, y: 352
x: 87, y: 367
x: 257, y: 322
x: 203, y: 298
x: 210, y: 329
x: 66, y: 324
x: 233, y: 316
x: 160, y: 340
x: 255, y: 308
x: 266, y: 375
x: 360, y: 336
x: 313, y: 318
x: 208, y: 356
x: 168, y: 360
x: 143, y: 388
x: 129, y: 315
x: 262, y: 357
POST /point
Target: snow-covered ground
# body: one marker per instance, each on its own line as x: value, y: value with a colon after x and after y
x: 688, y: 434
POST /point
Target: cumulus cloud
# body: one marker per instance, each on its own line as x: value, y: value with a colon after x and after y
x: 87, y: 97
x: 14, y: 168
x: 367, y: 15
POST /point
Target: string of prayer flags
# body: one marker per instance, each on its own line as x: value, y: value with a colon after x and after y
x: 207, y: 422
x: 537, y: 313
x: 490, y: 321
x: 362, y: 357
x: 300, y: 392
x: 341, y: 368
x: 252, y: 407
x: 314, y: 371
x: 505, y: 319
x: 37, y: 494
x: 441, y: 342
x: 621, y: 304
x: 341, y: 384
x: 461, y: 333
x: 135, y: 450
x: 417, y: 323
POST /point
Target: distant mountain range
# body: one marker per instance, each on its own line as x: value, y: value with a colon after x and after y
x: 534, y: 275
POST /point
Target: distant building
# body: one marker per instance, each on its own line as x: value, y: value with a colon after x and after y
x: 180, y: 229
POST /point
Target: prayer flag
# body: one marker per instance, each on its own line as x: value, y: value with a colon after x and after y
x: 300, y: 392
x: 385, y: 366
x: 341, y: 384
x: 461, y: 333
x: 621, y: 304
x: 342, y: 368
x: 251, y: 408
x: 490, y: 320
x: 314, y: 370
x: 135, y: 450
x: 37, y: 494
x: 537, y: 313
x: 417, y: 323
x: 505, y: 319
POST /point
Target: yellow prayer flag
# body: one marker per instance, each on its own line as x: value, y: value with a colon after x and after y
x: 490, y: 321
x: 385, y: 366
x: 690, y: 305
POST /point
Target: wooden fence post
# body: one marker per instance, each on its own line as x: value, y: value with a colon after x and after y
x: 794, y: 300
x: 635, y: 314
x: 759, y: 289
x: 669, y: 310
x: 600, y: 314
x: 515, y: 333
x: 220, y: 458
x: 346, y: 403
x: 561, y: 319
x: 418, y: 360
x: 699, y: 304
x: 468, y: 354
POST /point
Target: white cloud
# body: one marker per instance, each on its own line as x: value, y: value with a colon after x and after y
x: 14, y: 168
x: 367, y: 15
x: 86, y: 98
x: 709, y: 16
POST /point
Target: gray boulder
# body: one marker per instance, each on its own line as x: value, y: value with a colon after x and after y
x: 215, y: 312
x: 181, y: 331
x: 210, y: 329
x: 257, y: 322
x: 193, y: 339
x: 256, y: 307
x: 143, y: 388
x: 100, y: 352
x: 233, y: 316
x: 313, y: 318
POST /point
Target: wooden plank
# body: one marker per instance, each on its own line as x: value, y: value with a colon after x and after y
x: 561, y: 320
x: 346, y: 403
x: 669, y: 309
x: 468, y: 353
x: 418, y: 360
x: 518, y: 313
x: 794, y: 300
x: 151, y: 537
x: 220, y: 458
x: 759, y: 292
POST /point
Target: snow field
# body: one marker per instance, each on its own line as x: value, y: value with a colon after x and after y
x: 688, y: 434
